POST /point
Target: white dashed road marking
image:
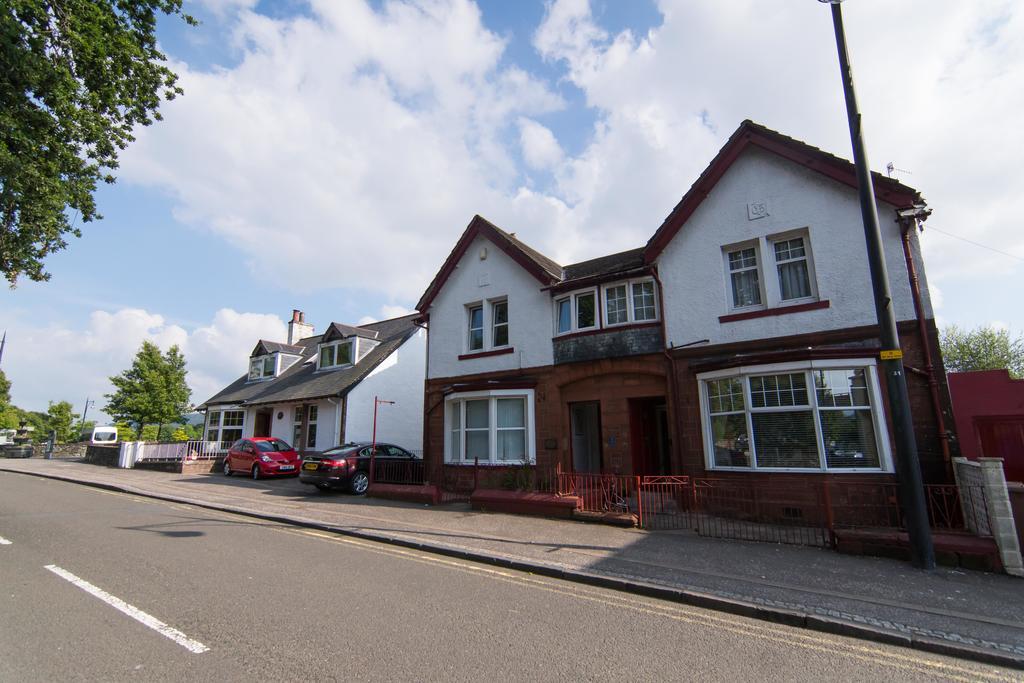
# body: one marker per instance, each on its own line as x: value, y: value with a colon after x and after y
x: 133, y: 612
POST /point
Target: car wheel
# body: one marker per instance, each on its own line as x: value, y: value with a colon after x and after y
x: 256, y: 472
x: 227, y: 468
x: 359, y: 483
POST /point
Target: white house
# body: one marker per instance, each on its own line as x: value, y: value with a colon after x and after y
x: 319, y: 391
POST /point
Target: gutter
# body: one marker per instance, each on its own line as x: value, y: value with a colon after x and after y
x: 908, y: 220
x: 672, y: 379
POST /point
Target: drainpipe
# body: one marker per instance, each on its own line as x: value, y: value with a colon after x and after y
x: 670, y: 382
x: 909, y: 219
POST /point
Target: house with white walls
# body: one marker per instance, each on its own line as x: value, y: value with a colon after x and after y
x: 739, y: 342
x: 318, y: 391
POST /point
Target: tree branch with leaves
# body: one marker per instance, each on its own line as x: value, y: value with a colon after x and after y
x: 76, y: 77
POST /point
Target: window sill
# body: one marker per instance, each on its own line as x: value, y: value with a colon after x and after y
x: 778, y: 310
x: 802, y: 470
x: 486, y: 354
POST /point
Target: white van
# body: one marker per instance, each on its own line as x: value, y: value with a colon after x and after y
x: 104, y: 436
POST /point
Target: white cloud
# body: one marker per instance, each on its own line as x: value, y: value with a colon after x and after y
x: 346, y: 141
x: 362, y: 135
x: 62, y: 362
x: 540, y: 147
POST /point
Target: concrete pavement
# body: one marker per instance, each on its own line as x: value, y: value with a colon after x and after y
x: 963, y: 613
x: 273, y: 601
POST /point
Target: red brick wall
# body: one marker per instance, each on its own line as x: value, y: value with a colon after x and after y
x: 859, y: 342
x: 615, y: 381
x: 612, y: 381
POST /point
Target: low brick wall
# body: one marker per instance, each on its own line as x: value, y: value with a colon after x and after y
x: 102, y: 455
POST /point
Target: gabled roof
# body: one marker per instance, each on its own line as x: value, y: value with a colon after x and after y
x: 341, y: 331
x: 753, y: 134
x: 265, y: 347
x: 302, y: 381
x: 537, y: 264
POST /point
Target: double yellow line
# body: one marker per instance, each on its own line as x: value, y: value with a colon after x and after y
x: 895, y: 658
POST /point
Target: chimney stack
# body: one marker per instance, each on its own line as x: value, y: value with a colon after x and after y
x: 298, y: 328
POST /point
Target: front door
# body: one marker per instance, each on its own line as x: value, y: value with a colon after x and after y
x: 585, y: 421
x: 261, y: 427
x: 648, y: 423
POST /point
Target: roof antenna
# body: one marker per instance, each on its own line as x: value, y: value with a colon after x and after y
x: 890, y: 169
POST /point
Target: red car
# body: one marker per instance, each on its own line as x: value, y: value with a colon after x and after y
x: 261, y: 456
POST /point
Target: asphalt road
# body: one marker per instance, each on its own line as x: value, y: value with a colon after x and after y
x: 261, y: 601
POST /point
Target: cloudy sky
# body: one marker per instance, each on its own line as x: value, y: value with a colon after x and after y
x: 326, y: 156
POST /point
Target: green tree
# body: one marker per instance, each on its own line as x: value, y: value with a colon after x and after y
x: 125, y: 432
x: 61, y: 420
x: 76, y: 76
x: 180, y: 434
x: 984, y: 348
x: 5, y: 391
x: 152, y: 391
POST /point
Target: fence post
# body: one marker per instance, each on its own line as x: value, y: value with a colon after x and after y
x: 640, y: 501
x: 476, y: 473
x: 830, y: 521
x: 1000, y: 515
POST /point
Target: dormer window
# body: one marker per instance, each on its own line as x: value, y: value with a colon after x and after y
x: 335, y: 355
x: 262, y: 367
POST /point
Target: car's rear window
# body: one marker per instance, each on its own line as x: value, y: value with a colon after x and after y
x: 274, y: 445
x: 341, y: 450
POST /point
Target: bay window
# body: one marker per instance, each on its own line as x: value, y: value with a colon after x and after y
x: 494, y: 427
x: 621, y: 303
x: 813, y: 416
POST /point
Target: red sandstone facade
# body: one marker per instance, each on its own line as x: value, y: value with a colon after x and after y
x: 620, y: 399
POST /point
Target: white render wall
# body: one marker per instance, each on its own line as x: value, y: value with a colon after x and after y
x: 531, y: 320
x: 400, y: 379
x: 693, y: 272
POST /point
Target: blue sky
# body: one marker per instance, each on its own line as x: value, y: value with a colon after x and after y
x: 326, y: 156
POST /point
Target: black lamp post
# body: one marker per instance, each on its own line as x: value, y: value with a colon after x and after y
x: 908, y: 467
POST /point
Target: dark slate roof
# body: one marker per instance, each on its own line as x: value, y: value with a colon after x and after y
x: 303, y: 382
x: 341, y: 331
x: 606, y: 265
x: 264, y: 347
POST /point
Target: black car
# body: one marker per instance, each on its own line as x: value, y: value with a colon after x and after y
x: 348, y: 466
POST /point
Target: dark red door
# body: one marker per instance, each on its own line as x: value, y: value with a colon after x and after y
x: 1004, y: 438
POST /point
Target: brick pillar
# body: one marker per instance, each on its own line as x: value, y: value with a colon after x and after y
x: 1000, y: 515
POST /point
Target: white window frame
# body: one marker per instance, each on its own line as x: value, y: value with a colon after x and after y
x: 467, y: 326
x: 459, y: 400
x: 604, y: 303
x: 262, y: 360
x: 808, y: 258
x: 566, y: 299
x: 336, y: 344
x: 493, y: 303
x: 220, y: 426
x: 870, y: 367
x: 576, y: 309
x: 630, y: 305
x: 757, y: 267
x: 632, y: 301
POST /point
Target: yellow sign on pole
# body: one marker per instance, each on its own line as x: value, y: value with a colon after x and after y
x: 891, y: 354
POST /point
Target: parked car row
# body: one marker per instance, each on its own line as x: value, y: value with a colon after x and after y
x: 343, y: 467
